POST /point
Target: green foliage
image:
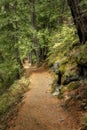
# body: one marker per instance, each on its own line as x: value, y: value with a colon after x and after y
x: 16, y: 25
x: 61, y: 43
x: 21, y: 35
x: 83, y: 5
x: 9, y: 67
x: 13, y: 94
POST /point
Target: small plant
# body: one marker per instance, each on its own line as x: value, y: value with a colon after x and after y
x: 85, y: 120
x: 60, y: 95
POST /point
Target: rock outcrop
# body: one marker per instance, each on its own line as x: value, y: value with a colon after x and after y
x: 71, y: 67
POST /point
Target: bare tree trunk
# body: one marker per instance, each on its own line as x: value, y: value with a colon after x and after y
x: 80, y: 20
x: 35, y: 40
x: 16, y: 39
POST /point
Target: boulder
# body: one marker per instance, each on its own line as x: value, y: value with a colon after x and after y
x: 69, y: 77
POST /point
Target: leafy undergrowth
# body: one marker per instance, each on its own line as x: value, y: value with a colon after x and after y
x: 75, y: 102
x: 11, y: 98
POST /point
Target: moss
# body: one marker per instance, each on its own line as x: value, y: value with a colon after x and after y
x: 63, y: 63
x: 54, y: 84
x: 73, y: 85
x: 81, y: 57
x: 62, y: 69
x: 60, y: 95
x: 70, y: 74
x: 64, y: 89
x: 85, y: 120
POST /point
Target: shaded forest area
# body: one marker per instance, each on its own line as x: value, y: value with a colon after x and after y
x: 54, y: 32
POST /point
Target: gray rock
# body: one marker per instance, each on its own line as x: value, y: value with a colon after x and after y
x: 68, y: 78
x: 56, y: 67
x: 56, y: 93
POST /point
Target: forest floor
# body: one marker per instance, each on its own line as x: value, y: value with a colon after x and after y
x: 40, y: 110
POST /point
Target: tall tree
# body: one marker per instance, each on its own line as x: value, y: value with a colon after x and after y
x: 80, y: 18
x: 34, y: 27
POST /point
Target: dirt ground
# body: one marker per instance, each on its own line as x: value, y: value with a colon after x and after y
x: 40, y: 110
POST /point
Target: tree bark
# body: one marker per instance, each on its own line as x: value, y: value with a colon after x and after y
x: 16, y: 49
x: 80, y: 20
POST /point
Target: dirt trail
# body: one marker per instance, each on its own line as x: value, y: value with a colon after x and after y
x: 40, y: 110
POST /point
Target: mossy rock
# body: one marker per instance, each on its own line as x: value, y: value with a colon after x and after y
x: 68, y: 77
x: 82, y: 58
x: 71, y: 74
x: 60, y: 96
x: 73, y: 85
x: 64, y: 89
x: 63, y: 64
x: 54, y: 83
x: 62, y: 69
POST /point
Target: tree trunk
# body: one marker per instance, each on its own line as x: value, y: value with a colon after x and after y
x: 18, y: 57
x: 80, y: 19
x: 16, y: 49
x: 35, y: 40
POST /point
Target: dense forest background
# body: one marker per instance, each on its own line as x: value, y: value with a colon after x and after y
x: 43, y: 31
x: 29, y: 29
x: 33, y: 29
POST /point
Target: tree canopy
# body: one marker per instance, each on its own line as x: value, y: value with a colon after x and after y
x: 30, y: 28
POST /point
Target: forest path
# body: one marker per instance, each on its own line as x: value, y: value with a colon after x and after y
x: 40, y: 110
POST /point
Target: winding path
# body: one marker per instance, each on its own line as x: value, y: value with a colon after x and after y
x: 40, y: 110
